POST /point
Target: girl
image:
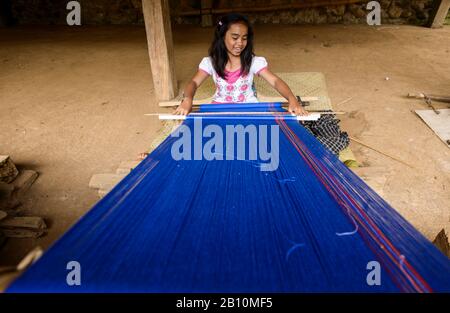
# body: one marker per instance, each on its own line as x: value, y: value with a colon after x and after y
x: 232, y: 64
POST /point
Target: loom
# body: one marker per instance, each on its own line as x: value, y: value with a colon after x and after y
x: 311, y: 225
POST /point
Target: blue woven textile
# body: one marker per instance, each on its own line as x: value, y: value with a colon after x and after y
x: 227, y: 226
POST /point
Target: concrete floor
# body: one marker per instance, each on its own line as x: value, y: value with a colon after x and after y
x: 72, y: 102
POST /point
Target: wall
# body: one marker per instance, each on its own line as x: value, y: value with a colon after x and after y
x: 99, y: 12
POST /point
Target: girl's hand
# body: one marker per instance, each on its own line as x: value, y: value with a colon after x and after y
x: 184, y: 108
x: 296, y: 108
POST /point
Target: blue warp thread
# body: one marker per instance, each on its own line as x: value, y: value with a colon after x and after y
x: 225, y: 226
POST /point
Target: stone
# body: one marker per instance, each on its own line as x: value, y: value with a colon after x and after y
x: 441, y: 242
x: 385, y: 3
x: 407, y: 13
x: 357, y: 10
x: 8, y: 171
x: 286, y: 17
x: 418, y: 5
x: 349, y: 18
x: 395, y: 11
x: 331, y: 19
x: 338, y: 10
x: 307, y: 16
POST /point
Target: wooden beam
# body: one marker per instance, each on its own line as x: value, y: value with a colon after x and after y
x: 160, y: 47
x: 439, y: 13
x: 173, y: 103
x: 270, y: 7
x: 310, y: 117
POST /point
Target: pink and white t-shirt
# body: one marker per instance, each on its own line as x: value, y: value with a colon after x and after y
x: 235, y: 88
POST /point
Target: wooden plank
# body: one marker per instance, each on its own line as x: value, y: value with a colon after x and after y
x: 439, y: 13
x: 105, y: 181
x: 439, y: 123
x: 3, y: 215
x: 23, y: 182
x: 31, y: 222
x: 129, y: 164
x: 160, y: 47
x: 22, y: 233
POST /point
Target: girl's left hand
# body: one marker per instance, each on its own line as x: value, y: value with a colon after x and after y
x: 296, y: 108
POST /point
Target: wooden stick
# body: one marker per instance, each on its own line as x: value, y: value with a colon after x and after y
x: 310, y: 117
x: 173, y: 103
x: 385, y: 154
x: 244, y: 113
x: 431, y: 97
x: 342, y: 102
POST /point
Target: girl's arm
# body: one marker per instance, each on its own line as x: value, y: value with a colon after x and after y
x: 189, y: 91
x: 284, y: 90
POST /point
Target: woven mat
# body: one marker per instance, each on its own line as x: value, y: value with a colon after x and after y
x: 302, y: 84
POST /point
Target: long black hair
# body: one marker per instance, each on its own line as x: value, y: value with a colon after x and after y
x: 218, y: 50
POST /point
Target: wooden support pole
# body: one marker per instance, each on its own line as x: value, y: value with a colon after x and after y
x: 160, y: 47
x: 439, y: 13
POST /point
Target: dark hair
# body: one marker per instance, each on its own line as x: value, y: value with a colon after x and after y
x: 218, y: 51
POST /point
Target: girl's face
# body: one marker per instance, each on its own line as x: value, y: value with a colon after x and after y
x: 236, y: 38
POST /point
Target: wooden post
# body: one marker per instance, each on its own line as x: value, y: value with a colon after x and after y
x: 439, y: 13
x: 160, y: 47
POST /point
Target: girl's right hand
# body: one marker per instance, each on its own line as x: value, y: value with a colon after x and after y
x: 184, y: 108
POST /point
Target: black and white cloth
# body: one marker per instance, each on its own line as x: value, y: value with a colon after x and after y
x: 326, y: 129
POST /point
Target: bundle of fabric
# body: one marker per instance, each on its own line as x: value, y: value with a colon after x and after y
x: 200, y: 215
x: 328, y: 132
